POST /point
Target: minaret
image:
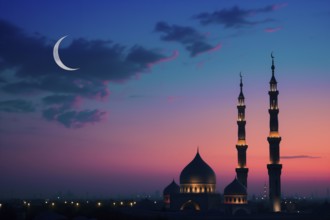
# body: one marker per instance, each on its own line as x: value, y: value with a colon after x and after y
x: 274, y: 167
x: 241, y: 170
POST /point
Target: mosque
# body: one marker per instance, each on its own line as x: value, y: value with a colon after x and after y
x: 197, y: 189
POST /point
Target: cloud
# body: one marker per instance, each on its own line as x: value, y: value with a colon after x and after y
x: 100, y: 62
x: 74, y: 119
x: 63, y: 101
x: 97, y: 59
x: 174, y: 55
x: 194, y: 41
x: 299, y: 157
x: 16, y: 106
x: 236, y: 17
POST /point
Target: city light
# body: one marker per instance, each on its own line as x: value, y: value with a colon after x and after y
x: 99, y: 204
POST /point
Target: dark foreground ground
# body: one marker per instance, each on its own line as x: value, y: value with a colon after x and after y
x: 145, y: 210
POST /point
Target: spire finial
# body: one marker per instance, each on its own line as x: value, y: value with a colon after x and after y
x: 273, y: 66
x: 198, y: 149
x: 241, y: 82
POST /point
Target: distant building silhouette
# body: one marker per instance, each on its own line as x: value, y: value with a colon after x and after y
x: 264, y: 195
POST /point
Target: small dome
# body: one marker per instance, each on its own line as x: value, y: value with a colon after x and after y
x: 171, y: 189
x: 197, y: 172
x: 235, y: 188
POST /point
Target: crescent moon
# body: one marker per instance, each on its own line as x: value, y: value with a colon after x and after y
x: 57, y: 56
x: 271, y: 55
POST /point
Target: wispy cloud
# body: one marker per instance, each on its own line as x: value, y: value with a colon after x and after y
x: 17, y: 106
x: 300, y: 157
x: 74, y: 119
x: 236, y: 17
x: 194, y: 41
x: 174, y: 55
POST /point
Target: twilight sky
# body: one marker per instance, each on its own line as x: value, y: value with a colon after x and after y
x: 156, y: 79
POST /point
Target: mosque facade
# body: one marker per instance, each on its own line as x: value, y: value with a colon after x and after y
x: 197, y: 188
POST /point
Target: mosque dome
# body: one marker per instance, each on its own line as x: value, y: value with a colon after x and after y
x: 235, y: 188
x: 197, y: 172
x: 172, y: 188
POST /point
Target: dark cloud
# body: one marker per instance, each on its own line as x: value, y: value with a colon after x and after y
x: 59, y: 84
x: 99, y: 62
x: 63, y: 101
x: 58, y: 99
x: 299, y: 157
x: 194, y: 41
x: 74, y: 119
x: 16, y: 105
x: 235, y: 17
x: 2, y: 80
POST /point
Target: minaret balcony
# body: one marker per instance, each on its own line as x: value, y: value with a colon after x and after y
x: 274, y: 134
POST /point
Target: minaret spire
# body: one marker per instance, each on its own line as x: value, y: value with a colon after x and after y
x: 274, y: 167
x: 241, y: 146
x: 241, y: 84
x: 273, y: 66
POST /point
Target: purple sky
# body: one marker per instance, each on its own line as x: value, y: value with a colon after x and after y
x: 156, y: 79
